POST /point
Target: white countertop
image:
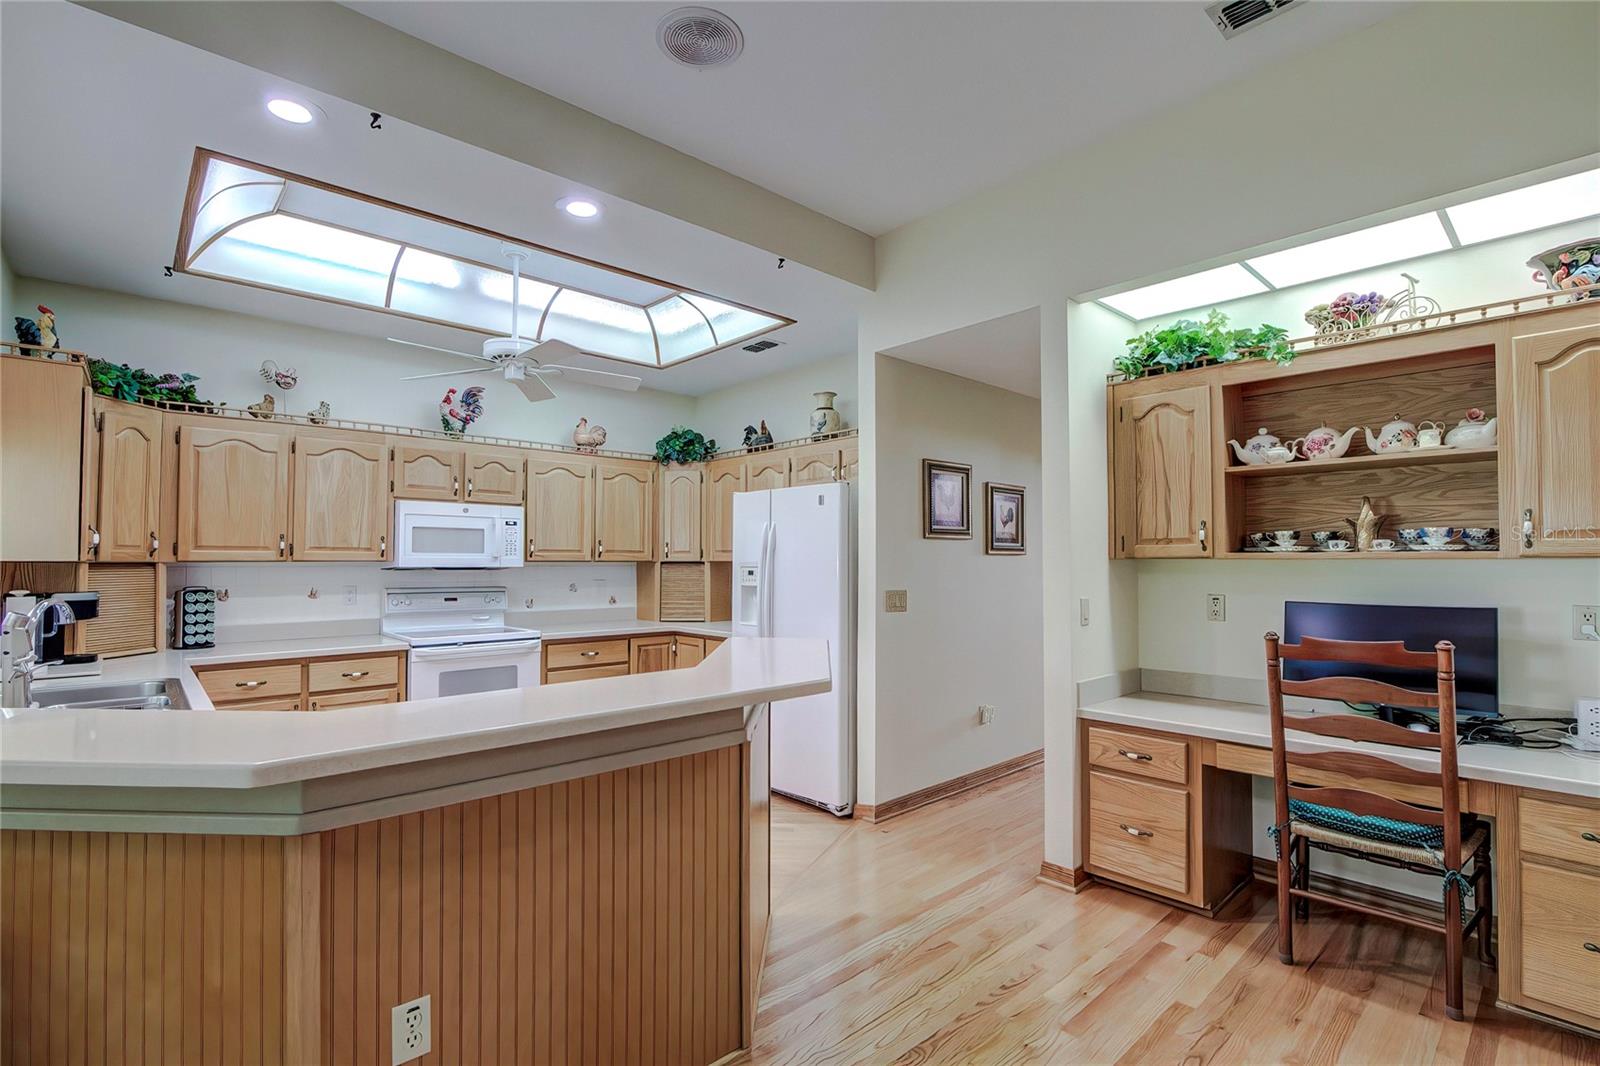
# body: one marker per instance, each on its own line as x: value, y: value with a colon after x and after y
x: 205, y: 748
x: 1556, y: 770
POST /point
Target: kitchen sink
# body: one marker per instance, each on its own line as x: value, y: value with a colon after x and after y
x: 160, y: 694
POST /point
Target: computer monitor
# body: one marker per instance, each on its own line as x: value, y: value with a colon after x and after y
x: 1475, y: 631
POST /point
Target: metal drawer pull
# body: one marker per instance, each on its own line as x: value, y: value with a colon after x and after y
x: 1591, y: 838
x: 1136, y: 756
x: 588, y: 654
x: 1527, y: 527
x: 1591, y: 947
x: 248, y: 684
x: 383, y: 545
x: 155, y: 544
x: 94, y: 539
x: 1134, y: 831
x: 1202, y: 533
x: 283, y: 540
x: 355, y: 675
x: 469, y: 486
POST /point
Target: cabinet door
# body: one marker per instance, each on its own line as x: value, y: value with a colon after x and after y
x: 560, y: 509
x: 624, y: 531
x: 687, y: 652
x: 681, y: 513
x: 233, y: 493
x: 1556, y: 427
x: 493, y: 475
x: 341, y: 498
x: 427, y: 472
x: 651, y: 654
x: 849, y: 460
x: 41, y: 459
x: 723, y: 478
x: 814, y: 463
x: 769, y: 470
x: 129, y: 482
x: 1162, y: 463
x: 335, y: 700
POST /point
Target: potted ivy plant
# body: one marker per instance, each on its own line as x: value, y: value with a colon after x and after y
x: 684, y: 445
x: 1186, y: 343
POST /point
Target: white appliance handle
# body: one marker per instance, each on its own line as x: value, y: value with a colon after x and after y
x: 768, y: 551
x: 472, y: 651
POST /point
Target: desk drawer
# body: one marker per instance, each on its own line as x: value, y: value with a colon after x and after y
x: 585, y: 653
x: 1558, y: 931
x: 1139, y: 830
x: 586, y: 673
x: 1556, y: 831
x: 1135, y: 753
x: 371, y: 697
x: 286, y: 704
x: 342, y: 675
x: 230, y: 684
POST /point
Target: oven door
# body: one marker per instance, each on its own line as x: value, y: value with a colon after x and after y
x: 466, y: 668
x: 433, y: 537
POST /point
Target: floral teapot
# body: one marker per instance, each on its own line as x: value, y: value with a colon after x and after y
x: 1325, y: 442
x: 1253, y: 452
x: 1474, y: 431
x: 1396, y: 436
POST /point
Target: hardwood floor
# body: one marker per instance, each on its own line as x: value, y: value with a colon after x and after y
x: 927, y: 939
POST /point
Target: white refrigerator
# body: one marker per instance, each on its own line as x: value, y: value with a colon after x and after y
x: 793, y: 576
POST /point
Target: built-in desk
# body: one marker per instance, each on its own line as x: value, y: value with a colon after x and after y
x: 1165, y: 800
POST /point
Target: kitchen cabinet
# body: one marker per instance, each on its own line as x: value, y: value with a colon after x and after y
x: 316, y: 684
x: 493, y: 475
x: 682, y: 513
x: 724, y: 477
x: 766, y: 470
x: 667, y: 651
x: 127, y: 503
x: 814, y: 463
x: 1555, y: 405
x: 233, y: 491
x: 428, y: 471
x: 849, y: 460
x: 687, y: 652
x: 1162, y: 474
x: 624, y: 508
x: 341, y: 497
x: 582, y: 660
x: 41, y: 458
x: 561, y: 508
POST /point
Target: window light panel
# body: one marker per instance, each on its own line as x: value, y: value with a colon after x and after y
x: 1548, y: 203
x: 1181, y: 294
x: 1391, y: 242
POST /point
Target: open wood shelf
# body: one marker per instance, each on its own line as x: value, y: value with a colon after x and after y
x: 1411, y: 555
x: 1415, y: 457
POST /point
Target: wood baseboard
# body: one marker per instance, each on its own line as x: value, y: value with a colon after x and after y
x: 1072, y: 879
x: 878, y: 812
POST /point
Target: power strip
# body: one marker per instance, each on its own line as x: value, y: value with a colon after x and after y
x: 1587, y: 735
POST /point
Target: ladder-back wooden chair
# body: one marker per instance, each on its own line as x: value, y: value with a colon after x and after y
x: 1348, y: 801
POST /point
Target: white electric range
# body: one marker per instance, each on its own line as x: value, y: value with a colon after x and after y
x: 460, y: 642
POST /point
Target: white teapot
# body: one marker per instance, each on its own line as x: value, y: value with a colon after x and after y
x: 1325, y: 442
x: 1396, y: 436
x: 1474, y: 431
x: 1254, y: 451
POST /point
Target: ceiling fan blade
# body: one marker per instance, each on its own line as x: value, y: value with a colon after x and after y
x: 435, y: 348
x: 603, y: 378
x: 449, y: 374
x: 532, y: 386
x: 555, y: 349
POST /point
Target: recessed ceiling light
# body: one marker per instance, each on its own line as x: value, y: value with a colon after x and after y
x: 1534, y: 207
x: 290, y: 110
x: 1391, y: 242
x: 1180, y: 294
x: 578, y: 207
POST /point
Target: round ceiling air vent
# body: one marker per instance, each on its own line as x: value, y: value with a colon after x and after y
x: 699, y: 37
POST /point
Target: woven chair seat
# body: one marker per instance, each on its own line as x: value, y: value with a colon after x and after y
x: 1421, y: 856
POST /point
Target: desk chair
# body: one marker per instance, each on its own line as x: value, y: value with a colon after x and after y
x: 1351, y: 819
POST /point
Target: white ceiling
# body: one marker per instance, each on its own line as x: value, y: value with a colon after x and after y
x: 876, y: 113
x: 94, y: 166
x: 1003, y: 351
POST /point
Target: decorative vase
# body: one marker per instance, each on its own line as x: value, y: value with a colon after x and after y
x: 824, y: 419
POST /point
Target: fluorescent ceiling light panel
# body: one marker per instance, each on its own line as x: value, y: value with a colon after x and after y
x: 1389, y: 243
x: 1548, y: 203
x: 1180, y: 294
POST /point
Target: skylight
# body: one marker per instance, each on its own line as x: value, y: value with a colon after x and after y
x: 1547, y: 204
x: 1194, y: 290
x: 254, y: 225
x: 1389, y: 243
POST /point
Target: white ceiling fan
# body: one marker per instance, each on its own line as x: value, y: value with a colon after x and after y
x: 513, y: 354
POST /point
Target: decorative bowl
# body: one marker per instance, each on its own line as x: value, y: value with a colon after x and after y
x: 1569, y: 266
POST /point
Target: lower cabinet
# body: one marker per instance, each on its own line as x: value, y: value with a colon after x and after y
x: 316, y: 684
x: 584, y: 660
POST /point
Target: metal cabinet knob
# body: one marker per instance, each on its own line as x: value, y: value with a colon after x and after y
x: 469, y: 486
x: 248, y: 684
x: 1591, y: 838
x: 283, y: 543
x: 1135, y: 831
x: 155, y: 544
x: 1136, y: 756
x: 589, y: 654
x: 94, y: 540
x: 383, y: 545
x: 1587, y: 946
x: 1202, y: 533
x: 355, y: 675
x: 1527, y: 527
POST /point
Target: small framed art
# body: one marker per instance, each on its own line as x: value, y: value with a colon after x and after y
x: 946, y: 500
x: 1005, y: 525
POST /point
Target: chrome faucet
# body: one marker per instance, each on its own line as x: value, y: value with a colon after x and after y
x: 27, y: 629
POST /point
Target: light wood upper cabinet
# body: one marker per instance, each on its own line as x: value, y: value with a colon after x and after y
x: 681, y: 513
x: 1162, y: 474
x: 41, y: 442
x: 814, y: 463
x: 624, y: 507
x: 341, y: 497
x: 724, y: 477
x: 128, y: 501
x: 1555, y: 380
x: 561, y: 507
x: 493, y: 475
x: 233, y: 492
x: 766, y: 470
x: 428, y: 472
x: 849, y: 460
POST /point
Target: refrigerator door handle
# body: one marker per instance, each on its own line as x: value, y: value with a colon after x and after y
x: 769, y: 536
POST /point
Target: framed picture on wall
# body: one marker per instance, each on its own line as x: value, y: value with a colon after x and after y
x: 1005, y: 520
x: 946, y: 500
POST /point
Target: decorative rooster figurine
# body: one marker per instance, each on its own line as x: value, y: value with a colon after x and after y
x: 41, y: 332
x: 752, y: 439
x: 456, y: 415
x: 586, y: 439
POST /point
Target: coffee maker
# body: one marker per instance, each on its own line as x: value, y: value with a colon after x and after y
x: 85, y: 605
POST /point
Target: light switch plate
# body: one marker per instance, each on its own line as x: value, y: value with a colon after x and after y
x: 894, y: 601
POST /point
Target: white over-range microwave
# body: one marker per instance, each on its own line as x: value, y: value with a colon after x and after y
x: 430, y: 534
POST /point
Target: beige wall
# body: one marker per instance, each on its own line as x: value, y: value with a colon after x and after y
x: 783, y: 398
x: 972, y: 633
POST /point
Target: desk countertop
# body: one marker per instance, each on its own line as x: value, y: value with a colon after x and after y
x: 1554, y: 770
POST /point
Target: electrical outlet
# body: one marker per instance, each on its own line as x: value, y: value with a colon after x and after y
x: 1083, y: 611
x: 349, y: 595
x: 1585, y: 622
x: 411, y: 1030
x: 1216, y: 607
x: 894, y: 601
x: 985, y: 714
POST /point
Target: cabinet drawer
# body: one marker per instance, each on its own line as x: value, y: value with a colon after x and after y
x: 339, y: 675
x: 585, y: 653
x: 1556, y: 830
x: 331, y: 700
x: 1136, y: 753
x: 1558, y: 966
x: 587, y: 673
x: 1139, y: 830
x: 235, y: 683
x: 262, y: 705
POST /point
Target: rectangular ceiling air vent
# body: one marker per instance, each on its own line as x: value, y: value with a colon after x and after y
x: 761, y: 346
x: 1233, y: 17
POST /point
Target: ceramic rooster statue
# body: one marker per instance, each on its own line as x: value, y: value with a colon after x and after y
x: 41, y: 331
x: 752, y: 439
x: 588, y: 439
x: 457, y: 414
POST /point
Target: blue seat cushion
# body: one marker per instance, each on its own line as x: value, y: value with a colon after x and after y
x: 1371, y: 826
